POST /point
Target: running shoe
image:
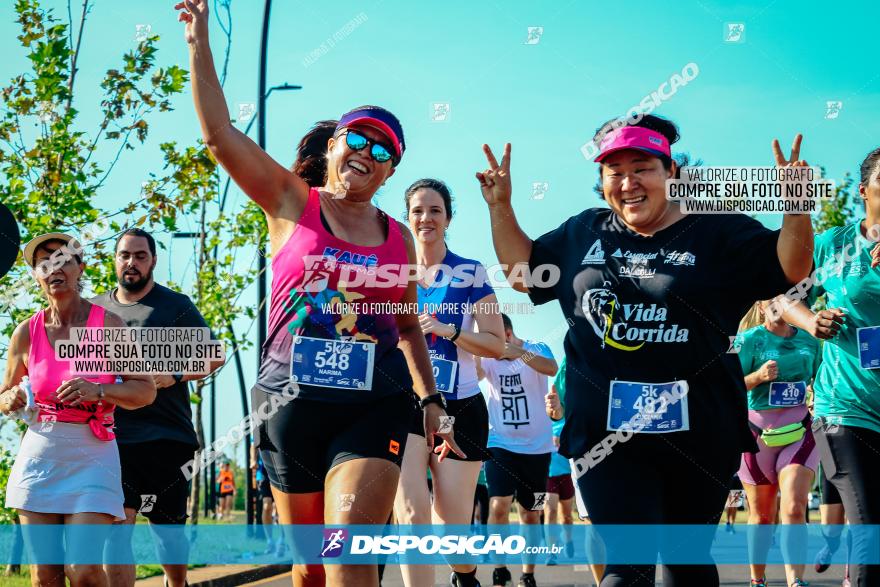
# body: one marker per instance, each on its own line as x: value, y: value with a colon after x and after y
x: 453, y: 581
x: 846, y: 583
x: 823, y: 559
x: 527, y: 581
x: 799, y: 583
x: 281, y: 550
x: 762, y: 582
x: 551, y: 560
x: 501, y: 577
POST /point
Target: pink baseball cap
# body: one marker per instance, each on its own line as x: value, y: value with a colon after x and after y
x: 633, y: 137
x: 381, y: 120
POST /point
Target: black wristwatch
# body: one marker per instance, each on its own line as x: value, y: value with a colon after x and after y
x: 178, y: 377
x: 434, y: 398
x: 454, y: 334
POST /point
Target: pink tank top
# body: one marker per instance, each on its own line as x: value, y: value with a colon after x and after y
x: 46, y: 374
x: 305, y: 285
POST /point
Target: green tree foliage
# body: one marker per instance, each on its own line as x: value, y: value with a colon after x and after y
x: 840, y: 210
x: 52, y: 173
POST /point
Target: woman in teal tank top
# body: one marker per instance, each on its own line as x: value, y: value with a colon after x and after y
x: 779, y: 362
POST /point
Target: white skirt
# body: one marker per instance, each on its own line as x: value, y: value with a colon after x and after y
x: 64, y: 469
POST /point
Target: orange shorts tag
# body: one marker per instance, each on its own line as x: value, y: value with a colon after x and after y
x: 394, y: 447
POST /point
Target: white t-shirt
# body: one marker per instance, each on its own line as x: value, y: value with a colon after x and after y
x: 518, y: 421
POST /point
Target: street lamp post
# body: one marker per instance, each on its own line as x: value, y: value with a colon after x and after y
x: 262, y: 96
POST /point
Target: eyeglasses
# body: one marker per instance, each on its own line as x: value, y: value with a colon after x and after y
x: 357, y: 142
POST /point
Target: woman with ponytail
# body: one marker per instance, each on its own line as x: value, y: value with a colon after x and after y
x: 338, y: 372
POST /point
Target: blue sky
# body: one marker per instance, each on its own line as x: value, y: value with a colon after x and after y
x: 593, y: 61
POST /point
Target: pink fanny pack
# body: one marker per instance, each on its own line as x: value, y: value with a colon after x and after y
x: 100, y: 423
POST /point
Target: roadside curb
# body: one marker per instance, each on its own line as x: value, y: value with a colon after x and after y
x: 242, y: 577
x: 221, y: 576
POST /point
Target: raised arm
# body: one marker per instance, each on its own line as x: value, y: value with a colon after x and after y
x: 512, y: 245
x: 795, y: 245
x: 275, y: 189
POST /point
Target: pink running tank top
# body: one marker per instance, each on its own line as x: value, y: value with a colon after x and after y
x: 308, y: 299
x: 46, y: 374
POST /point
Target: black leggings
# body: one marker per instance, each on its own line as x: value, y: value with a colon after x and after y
x: 481, y: 499
x: 851, y: 459
x: 828, y: 494
x: 647, y: 481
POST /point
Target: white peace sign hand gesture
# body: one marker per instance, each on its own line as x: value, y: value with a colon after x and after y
x: 495, y: 181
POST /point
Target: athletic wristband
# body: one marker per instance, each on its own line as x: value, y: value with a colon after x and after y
x: 100, y: 391
x: 454, y: 334
x: 434, y: 398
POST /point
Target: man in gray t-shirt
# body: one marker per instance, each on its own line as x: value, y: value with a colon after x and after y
x: 157, y: 440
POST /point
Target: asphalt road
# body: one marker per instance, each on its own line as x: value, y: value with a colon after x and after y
x: 580, y: 576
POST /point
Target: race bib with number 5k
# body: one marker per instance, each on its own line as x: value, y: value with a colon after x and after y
x: 784, y: 394
x: 444, y: 376
x: 648, y: 407
x: 869, y: 347
x: 332, y: 363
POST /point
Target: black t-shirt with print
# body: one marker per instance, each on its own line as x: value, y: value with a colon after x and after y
x: 169, y: 417
x: 655, y: 310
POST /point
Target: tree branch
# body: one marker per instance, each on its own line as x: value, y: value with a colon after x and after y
x: 135, y: 116
x: 73, y: 58
x: 75, y: 54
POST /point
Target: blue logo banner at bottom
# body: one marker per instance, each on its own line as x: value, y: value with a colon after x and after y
x: 432, y: 544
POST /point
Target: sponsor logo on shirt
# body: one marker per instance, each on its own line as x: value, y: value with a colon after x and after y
x: 628, y: 327
x: 595, y: 255
x: 857, y: 269
x: 771, y: 354
x: 634, y: 257
x: 637, y: 270
x: 680, y: 258
x: 351, y: 258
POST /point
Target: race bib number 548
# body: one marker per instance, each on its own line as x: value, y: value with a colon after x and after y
x: 332, y: 363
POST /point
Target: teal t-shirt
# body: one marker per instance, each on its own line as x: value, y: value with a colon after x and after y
x: 797, y: 358
x: 559, y: 464
x: 846, y: 394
